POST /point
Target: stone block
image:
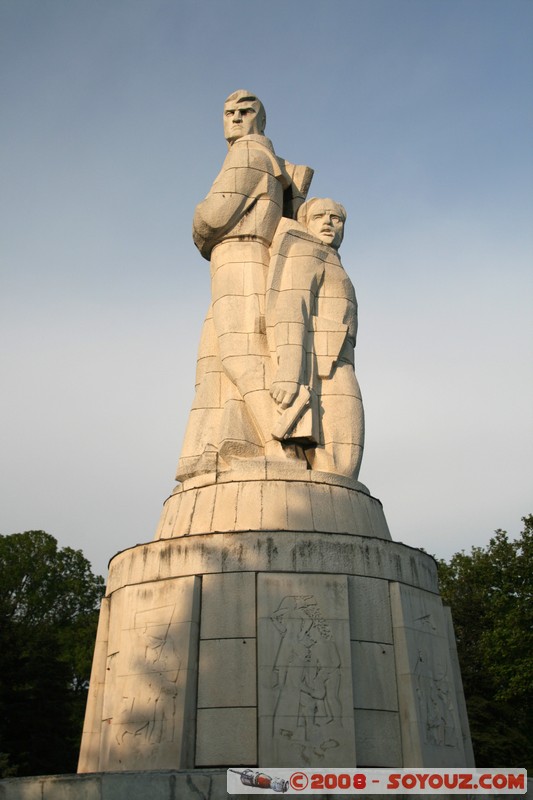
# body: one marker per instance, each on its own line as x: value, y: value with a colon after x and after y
x: 227, y: 673
x: 342, y: 509
x: 461, y: 704
x: 427, y: 697
x: 148, y: 708
x: 378, y: 523
x: 322, y: 509
x: 360, y: 513
x: 378, y: 739
x: 184, y: 513
x: 249, y: 506
x: 128, y: 786
x: 228, y: 606
x: 274, y: 510
x: 225, y: 511
x: 299, y: 506
x: 304, y: 660
x: 374, y: 676
x: 21, y: 789
x: 203, y: 510
x: 88, y: 759
x: 226, y: 736
x: 370, y: 616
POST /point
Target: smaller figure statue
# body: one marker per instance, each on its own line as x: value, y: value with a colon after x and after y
x: 311, y: 315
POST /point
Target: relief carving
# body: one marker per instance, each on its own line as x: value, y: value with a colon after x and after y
x: 435, y: 700
x: 150, y: 681
x: 307, y: 678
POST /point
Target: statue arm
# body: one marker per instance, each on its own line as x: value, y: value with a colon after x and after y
x: 291, y: 324
x: 243, y: 178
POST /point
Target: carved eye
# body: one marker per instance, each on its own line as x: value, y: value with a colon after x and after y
x: 229, y: 113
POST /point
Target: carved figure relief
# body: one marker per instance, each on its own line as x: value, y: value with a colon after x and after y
x: 436, y: 705
x: 289, y: 396
x: 306, y: 677
x: 149, y: 690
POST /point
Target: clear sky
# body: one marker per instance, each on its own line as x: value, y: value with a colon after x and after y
x: 415, y: 114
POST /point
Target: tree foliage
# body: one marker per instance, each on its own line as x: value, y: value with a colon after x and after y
x: 490, y: 592
x: 48, y: 615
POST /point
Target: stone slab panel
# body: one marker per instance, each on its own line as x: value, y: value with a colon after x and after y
x: 209, y: 784
x: 203, y: 510
x: 228, y: 605
x: 300, y: 517
x: 90, y: 743
x: 274, y: 515
x: 370, y: 617
x: 128, y: 785
x: 461, y: 704
x: 374, y: 676
x: 226, y: 736
x: 427, y: 698
x: 378, y: 739
x: 322, y: 509
x: 249, y: 506
x: 149, y: 701
x: 304, y: 676
x: 227, y: 673
x: 225, y: 511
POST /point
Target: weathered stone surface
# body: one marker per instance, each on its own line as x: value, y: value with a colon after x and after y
x: 431, y: 731
x: 227, y: 673
x: 298, y: 503
x: 147, y: 712
x: 251, y: 551
x: 458, y: 683
x: 304, y: 667
x: 370, y: 618
x: 374, y: 676
x: 228, y: 605
x: 226, y: 736
x: 90, y: 748
x: 378, y: 739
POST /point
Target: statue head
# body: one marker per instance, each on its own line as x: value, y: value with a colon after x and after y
x: 244, y: 114
x: 323, y: 218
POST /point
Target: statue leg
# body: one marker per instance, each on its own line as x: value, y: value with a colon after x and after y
x: 238, y: 286
x: 342, y: 424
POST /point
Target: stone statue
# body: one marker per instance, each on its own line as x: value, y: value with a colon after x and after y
x: 233, y: 413
x: 273, y: 603
x: 312, y: 325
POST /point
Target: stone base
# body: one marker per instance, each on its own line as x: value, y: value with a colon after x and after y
x: 168, y: 785
x: 307, y: 501
x: 208, y: 784
x: 275, y: 648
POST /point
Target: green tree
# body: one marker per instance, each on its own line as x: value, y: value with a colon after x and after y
x: 48, y: 615
x: 490, y: 592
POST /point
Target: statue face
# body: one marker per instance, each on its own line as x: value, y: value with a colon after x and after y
x: 242, y: 116
x: 326, y: 224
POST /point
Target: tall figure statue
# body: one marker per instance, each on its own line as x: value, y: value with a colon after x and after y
x: 312, y: 325
x: 233, y: 413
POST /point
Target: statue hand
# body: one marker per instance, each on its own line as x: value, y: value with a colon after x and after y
x: 284, y: 392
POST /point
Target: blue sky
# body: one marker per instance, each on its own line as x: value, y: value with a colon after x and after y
x: 415, y: 114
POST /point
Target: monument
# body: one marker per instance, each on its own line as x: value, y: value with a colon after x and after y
x: 273, y: 621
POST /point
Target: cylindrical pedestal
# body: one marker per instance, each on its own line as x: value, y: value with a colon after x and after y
x: 275, y: 648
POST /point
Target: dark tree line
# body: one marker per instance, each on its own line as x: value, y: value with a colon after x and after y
x: 49, y: 601
x: 490, y: 592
